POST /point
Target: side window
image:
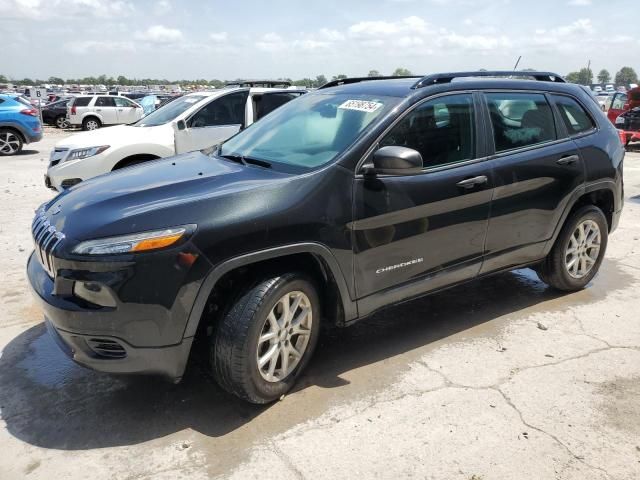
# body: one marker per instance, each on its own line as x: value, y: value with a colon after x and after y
x: 619, y: 101
x: 520, y: 120
x: 225, y: 110
x: 105, y: 102
x: 442, y: 130
x: 122, y: 102
x: 81, y: 101
x: 574, y: 116
x: 268, y: 102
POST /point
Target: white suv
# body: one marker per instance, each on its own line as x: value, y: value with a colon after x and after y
x: 191, y: 122
x: 93, y: 111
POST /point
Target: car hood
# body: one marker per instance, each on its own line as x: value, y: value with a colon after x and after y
x: 185, y: 189
x: 115, y: 136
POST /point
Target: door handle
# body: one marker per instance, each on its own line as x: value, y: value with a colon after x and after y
x: 568, y: 160
x: 472, y: 182
x: 98, y: 109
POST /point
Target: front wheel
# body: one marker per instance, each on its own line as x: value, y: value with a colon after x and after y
x: 10, y: 142
x: 61, y: 122
x: 266, y: 339
x: 578, y: 252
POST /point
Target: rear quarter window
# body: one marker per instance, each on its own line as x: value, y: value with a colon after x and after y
x: 574, y: 116
x: 81, y: 101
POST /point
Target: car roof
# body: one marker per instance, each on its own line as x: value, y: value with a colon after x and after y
x: 406, y: 87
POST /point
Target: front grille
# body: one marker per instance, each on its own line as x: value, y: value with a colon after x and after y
x: 46, y: 238
x: 105, y: 347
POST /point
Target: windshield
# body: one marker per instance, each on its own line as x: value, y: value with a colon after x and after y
x: 309, y: 131
x: 169, y: 112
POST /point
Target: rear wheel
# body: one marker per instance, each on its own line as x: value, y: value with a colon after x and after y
x: 10, y: 142
x: 266, y: 339
x: 578, y: 252
x: 91, y: 123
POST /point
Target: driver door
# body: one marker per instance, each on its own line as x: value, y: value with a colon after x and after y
x: 213, y: 123
x: 128, y: 112
x: 418, y: 232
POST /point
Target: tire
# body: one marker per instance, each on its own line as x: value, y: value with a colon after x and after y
x: 91, y: 123
x: 10, y: 142
x: 563, y: 268
x: 61, y: 122
x: 236, y: 349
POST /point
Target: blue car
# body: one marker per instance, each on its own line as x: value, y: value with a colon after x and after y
x: 19, y: 124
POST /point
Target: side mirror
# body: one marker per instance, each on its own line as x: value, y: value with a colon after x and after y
x: 392, y: 160
x: 181, y: 125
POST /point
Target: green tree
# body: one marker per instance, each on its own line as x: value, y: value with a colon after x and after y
x: 340, y: 76
x: 604, y: 76
x: 583, y: 77
x: 3, y: 79
x: 401, y: 72
x: 373, y: 73
x: 56, y: 80
x: 625, y: 76
x: 122, y: 80
x: 320, y: 80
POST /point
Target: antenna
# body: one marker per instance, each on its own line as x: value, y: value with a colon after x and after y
x: 517, y: 63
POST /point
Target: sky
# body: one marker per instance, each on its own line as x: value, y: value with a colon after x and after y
x: 188, y: 39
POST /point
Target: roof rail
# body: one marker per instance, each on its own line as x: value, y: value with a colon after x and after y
x: 347, y: 81
x: 437, y: 78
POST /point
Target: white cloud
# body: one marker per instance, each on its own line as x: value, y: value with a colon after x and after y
x: 219, y: 37
x: 98, y: 46
x: 162, y: 7
x: 160, y: 34
x: 380, y: 28
x: 42, y: 10
x: 580, y: 3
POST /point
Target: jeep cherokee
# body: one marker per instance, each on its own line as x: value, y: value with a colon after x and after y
x: 346, y: 200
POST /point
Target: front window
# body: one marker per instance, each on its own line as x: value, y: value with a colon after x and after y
x: 310, y: 131
x: 170, y: 111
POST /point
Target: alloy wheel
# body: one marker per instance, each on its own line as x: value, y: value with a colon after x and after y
x: 284, y: 337
x: 583, y: 249
x: 92, y: 125
x: 9, y: 143
x: 62, y: 122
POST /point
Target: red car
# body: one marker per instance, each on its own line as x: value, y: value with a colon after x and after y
x: 622, y: 102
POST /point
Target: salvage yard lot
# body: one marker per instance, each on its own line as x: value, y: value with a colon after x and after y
x: 499, y: 379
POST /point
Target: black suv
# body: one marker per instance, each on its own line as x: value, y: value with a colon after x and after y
x: 360, y: 195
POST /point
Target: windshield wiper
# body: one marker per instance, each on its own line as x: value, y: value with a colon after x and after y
x: 235, y: 157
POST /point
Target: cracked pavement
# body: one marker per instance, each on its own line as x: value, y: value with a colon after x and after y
x: 498, y: 379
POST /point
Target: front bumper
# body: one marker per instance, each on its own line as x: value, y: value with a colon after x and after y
x: 64, y: 174
x: 112, y: 339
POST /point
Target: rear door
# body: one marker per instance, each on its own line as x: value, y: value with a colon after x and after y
x: 215, y: 122
x: 106, y: 108
x: 426, y: 229
x: 537, y: 169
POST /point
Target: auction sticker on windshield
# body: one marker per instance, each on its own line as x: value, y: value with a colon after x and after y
x: 361, y: 105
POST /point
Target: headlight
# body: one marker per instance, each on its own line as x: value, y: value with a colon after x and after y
x: 80, y: 153
x: 136, y: 242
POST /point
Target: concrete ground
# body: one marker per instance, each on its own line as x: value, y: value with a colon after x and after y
x: 499, y: 379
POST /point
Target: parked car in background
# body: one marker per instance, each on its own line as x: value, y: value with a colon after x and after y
x: 19, y: 124
x: 623, y: 101
x: 610, y: 88
x: 192, y: 122
x: 55, y: 113
x: 604, y: 100
x: 356, y: 197
x: 94, y: 111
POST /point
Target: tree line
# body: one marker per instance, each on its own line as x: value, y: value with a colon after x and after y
x: 585, y: 76
x: 121, y: 80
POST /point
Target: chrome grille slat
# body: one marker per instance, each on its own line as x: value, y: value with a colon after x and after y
x: 46, y: 239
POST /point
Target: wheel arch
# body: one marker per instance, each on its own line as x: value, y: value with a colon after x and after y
x: 136, y: 157
x: 312, y: 258
x: 601, y: 194
x: 16, y: 129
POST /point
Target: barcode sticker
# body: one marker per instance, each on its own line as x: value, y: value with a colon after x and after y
x: 361, y: 105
